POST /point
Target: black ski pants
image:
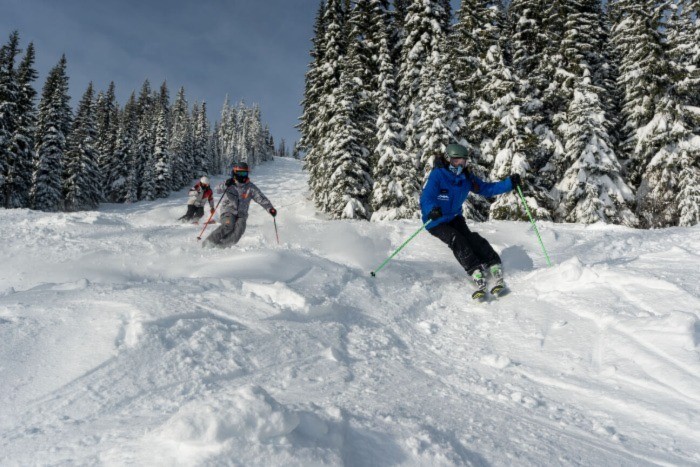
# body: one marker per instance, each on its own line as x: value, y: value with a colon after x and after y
x: 471, y: 249
x: 193, y: 212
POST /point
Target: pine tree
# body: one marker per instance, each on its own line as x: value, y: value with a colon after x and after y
x: 395, y: 174
x: 82, y: 184
x: 23, y: 137
x: 368, y: 21
x: 308, y: 125
x: 592, y: 189
x: 510, y: 141
x: 215, y: 148
x: 435, y: 129
x: 142, y: 161
x: 121, y: 186
x: 315, y: 163
x: 107, y: 115
x: 684, y: 43
x: 161, y: 157
x: 179, y: 143
x: 9, y: 96
x: 282, y: 150
x: 201, y: 141
x: 349, y: 185
x: 478, y: 28
x: 643, y: 78
x: 52, y: 127
x: 424, y: 34
x: 579, y: 52
x: 296, y: 151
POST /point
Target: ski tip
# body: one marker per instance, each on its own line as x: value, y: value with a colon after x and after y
x: 372, y: 274
x: 479, y: 295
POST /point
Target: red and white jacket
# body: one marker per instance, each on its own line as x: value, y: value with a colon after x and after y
x: 199, y: 195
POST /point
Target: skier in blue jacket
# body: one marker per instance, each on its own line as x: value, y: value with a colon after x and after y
x: 441, y: 202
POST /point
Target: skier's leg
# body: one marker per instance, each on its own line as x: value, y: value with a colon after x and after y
x: 236, y: 234
x: 459, y: 244
x: 487, y: 255
x: 479, y: 245
x: 198, y: 213
x: 188, y: 215
x: 226, y: 228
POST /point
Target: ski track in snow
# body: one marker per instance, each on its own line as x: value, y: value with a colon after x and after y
x: 123, y: 341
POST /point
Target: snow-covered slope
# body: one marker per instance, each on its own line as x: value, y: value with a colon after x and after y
x: 123, y: 341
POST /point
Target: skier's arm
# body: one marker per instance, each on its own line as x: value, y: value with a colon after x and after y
x: 261, y: 199
x: 489, y: 189
x: 210, y: 198
x: 428, y: 197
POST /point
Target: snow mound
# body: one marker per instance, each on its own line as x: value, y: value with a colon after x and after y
x: 248, y: 415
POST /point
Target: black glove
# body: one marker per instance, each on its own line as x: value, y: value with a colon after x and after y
x: 273, y: 212
x: 515, y: 181
x: 435, y: 214
x: 229, y: 182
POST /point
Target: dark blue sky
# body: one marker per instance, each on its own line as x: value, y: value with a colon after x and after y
x: 255, y: 50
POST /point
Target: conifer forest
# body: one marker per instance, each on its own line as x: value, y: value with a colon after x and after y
x: 596, y: 105
x: 54, y: 158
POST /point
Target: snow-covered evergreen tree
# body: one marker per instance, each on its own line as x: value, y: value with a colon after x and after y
x: 592, y: 189
x: 672, y: 148
x: 282, y: 150
x: 435, y: 128
x: 643, y: 77
x: 296, y: 151
x: 9, y: 95
x: 179, y: 142
x: 510, y: 140
x: 201, y: 141
x: 23, y: 137
x: 52, y: 128
x: 346, y: 195
x: 161, y: 156
x: 425, y: 31
x: 308, y: 125
x: 333, y: 41
x: 119, y: 183
x: 579, y: 50
x: 368, y: 22
x: 478, y: 28
x: 82, y: 185
x: 107, y: 114
x: 143, y: 162
x: 215, y: 150
x: 395, y: 173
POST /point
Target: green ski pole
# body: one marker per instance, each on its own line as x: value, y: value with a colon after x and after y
x: 527, y: 210
x: 374, y: 273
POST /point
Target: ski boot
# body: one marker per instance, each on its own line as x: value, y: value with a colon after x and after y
x: 499, y: 287
x: 480, y: 283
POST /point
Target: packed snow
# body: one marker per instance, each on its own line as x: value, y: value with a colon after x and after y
x: 123, y: 341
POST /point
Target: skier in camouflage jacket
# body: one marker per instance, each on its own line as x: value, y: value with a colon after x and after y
x: 239, y: 192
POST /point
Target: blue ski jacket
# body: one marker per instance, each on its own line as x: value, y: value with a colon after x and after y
x: 449, y: 191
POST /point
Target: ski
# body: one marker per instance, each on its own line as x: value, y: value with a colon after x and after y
x: 499, y: 290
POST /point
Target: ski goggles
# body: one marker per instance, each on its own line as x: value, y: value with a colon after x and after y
x: 240, y: 173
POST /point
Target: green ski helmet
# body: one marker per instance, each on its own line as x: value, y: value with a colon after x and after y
x: 457, y: 151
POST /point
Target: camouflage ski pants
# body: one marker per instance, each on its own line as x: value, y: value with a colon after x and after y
x: 228, y: 233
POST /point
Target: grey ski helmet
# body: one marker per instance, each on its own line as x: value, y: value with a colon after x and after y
x: 457, y: 151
